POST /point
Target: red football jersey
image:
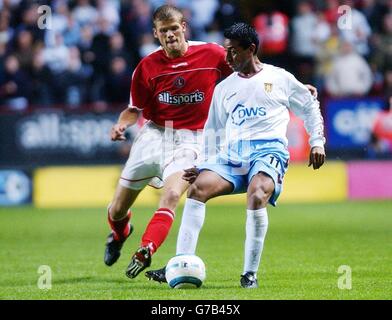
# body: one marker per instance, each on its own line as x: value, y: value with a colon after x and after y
x: 180, y: 89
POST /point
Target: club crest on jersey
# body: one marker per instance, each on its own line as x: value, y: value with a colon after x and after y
x: 241, y: 113
x: 268, y: 87
x: 179, y: 82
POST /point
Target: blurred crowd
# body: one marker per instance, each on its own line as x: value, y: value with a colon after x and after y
x: 85, y: 53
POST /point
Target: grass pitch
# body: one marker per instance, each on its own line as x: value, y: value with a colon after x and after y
x: 305, y: 246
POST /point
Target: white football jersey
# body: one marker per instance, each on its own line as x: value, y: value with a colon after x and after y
x: 257, y: 108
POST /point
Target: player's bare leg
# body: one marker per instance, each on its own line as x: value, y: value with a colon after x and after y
x: 118, y: 218
x: 174, y: 188
x: 207, y: 185
x: 160, y: 224
x: 123, y: 199
x: 259, y: 192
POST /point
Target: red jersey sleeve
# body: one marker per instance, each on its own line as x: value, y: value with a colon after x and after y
x: 140, y: 88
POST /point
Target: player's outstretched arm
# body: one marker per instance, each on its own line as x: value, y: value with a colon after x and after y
x: 316, y: 157
x: 127, y: 118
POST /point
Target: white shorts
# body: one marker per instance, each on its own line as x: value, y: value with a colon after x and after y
x: 157, y: 153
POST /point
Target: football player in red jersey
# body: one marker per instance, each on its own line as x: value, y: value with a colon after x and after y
x: 172, y: 88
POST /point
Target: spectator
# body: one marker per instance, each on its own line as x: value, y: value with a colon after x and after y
x: 326, y: 54
x: 138, y: 20
x: 117, y: 48
x: 3, y: 50
x: 56, y: 57
x: 382, y: 56
x: 378, y: 148
x: 41, y: 78
x: 84, y: 13
x: 203, y: 12
x: 118, y: 82
x: 100, y: 57
x: 29, y: 22
x: 303, y: 44
x: 214, y: 34
x: 100, y: 46
x: 147, y: 45
x: 350, y: 74
x: 6, y: 32
x: 272, y: 27
x: 104, y: 30
x: 77, y: 75
x: 358, y: 32
x: 24, y: 49
x: 108, y: 11
x: 373, y: 11
x: 331, y: 11
x: 71, y: 33
x: 381, y: 138
x: 59, y: 21
x: 227, y: 14
x: 85, y: 44
x: 14, y: 90
x: 388, y: 86
x: 303, y: 26
x: 322, y: 31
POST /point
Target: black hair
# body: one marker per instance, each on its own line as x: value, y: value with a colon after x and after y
x: 244, y: 33
x: 167, y: 12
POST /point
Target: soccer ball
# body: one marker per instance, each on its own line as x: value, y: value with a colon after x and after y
x: 185, y: 271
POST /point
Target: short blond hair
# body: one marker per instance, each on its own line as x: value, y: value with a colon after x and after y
x: 167, y: 12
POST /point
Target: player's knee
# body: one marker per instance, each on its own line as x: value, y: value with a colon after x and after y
x: 197, y: 192
x: 170, y: 199
x: 258, y: 198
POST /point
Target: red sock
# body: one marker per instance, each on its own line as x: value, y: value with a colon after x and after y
x: 121, y: 227
x: 158, y: 228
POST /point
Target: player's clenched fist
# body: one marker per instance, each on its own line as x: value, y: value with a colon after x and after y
x: 118, y: 131
x: 190, y: 175
x: 316, y: 157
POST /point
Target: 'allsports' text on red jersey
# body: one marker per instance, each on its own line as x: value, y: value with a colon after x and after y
x: 180, y: 89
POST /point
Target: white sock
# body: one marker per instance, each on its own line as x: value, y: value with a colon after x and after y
x: 191, y: 223
x: 256, y: 229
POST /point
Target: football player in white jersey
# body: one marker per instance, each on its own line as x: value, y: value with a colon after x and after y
x: 251, y: 107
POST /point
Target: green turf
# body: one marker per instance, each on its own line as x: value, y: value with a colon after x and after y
x: 305, y: 246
